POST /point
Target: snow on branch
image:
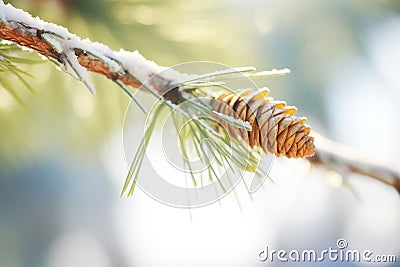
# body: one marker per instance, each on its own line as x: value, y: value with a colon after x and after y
x: 77, y: 56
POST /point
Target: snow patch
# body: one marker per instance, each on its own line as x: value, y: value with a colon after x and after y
x: 54, y: 41
x: 73, y: 67
x: 137, y: 65
x: 231, y: 120
x: 2, y: 15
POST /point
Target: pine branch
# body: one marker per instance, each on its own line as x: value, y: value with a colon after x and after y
x: 76, y: 56
x: 343, y: 160
x: 26, y: 36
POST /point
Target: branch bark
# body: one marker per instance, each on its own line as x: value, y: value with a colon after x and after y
x: 344, y: 160
x: 30, y: 37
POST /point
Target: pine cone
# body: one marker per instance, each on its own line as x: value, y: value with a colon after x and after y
x: 274, y: 128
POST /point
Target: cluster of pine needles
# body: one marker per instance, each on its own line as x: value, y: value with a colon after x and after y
x: 201, y: 130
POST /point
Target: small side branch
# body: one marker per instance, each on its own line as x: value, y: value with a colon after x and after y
x: 343, y: 160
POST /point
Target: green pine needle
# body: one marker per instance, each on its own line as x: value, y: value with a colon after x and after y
x: 10, y: 59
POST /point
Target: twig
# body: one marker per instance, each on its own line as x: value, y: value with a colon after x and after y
x: 343, y: 160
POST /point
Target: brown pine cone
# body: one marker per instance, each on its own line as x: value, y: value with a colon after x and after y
x: 274, y: 128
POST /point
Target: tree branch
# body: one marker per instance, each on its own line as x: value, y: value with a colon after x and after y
x: 343, y: 160
x: 22, y: 34
x: 131, y: 69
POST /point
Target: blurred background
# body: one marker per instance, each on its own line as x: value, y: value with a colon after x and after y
x: 61, y: 154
